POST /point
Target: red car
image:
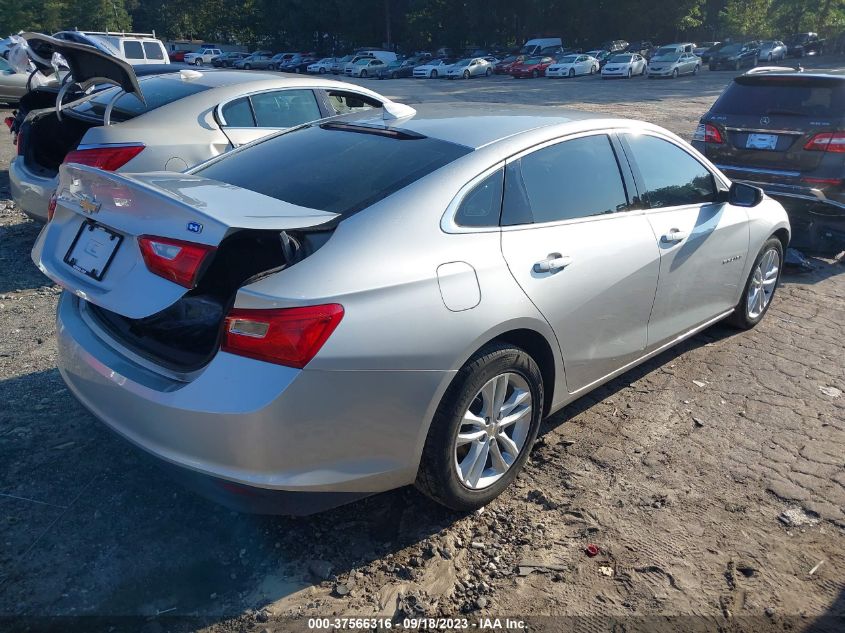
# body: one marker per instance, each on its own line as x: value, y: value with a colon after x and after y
x: 531, y: 67
x: 504, y: 66
x: 177, y: 56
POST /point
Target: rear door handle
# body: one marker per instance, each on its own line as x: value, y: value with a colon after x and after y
x: 674, y: 235
x: 553, y: 263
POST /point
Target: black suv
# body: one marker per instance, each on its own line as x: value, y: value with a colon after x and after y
x: 735, y: 56
x: 782, y: 131
x: 801, y: 44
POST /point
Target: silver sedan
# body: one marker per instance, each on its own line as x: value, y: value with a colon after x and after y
x: 184, y: 119
x: 376, y: 301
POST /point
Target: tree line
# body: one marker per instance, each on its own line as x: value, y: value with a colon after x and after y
x: 336, y: 25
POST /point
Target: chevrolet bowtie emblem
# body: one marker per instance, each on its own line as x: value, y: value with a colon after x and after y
x: 89, y: 204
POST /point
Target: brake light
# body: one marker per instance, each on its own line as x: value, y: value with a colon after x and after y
x: 9, y: 121
x: 287, y: 336
x: 708, y: 134
x: 175, y: 260
x: 822, y: 181
x: 827, y: 142
x: 108, y: 158
x: 51, y: 207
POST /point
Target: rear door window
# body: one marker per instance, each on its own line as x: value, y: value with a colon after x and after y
x: 345, y: 102
x: 572, y: 179
x: 133, y: 49
x: 285, y: 108
x: 672, y: 177
x: 238, y: 113
x: 482, y: 206
x: 153, y: 50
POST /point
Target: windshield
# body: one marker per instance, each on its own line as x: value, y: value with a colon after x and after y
x: 666, y: 51
x: 337, y: 167
x: 568, y: 59
x: 621, y: 59
x: 363, y: 62
x: 158, y: 91
x: 463, y: 62
x: 731, y: 48
x: 532, y: 60
x: 666, y: 58
x: 509, y: 58
x: 799, y: 96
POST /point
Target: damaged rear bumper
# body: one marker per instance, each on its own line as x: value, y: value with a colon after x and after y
x: 30, y: 192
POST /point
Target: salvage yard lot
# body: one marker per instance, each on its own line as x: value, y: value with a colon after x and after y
x: 680, y: 471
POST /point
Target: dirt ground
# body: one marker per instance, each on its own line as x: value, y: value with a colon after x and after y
x: 711, y: 479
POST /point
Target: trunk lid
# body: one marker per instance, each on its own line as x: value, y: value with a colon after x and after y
x: 87, y: 65
x: 91, y: 245
x: 766, y: 121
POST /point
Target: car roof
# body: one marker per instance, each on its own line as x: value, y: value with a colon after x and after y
x: 835, y: 75
x: 477, y: 125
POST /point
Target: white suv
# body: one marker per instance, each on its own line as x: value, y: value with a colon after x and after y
x: 136, y: 48
x: 202, y: 56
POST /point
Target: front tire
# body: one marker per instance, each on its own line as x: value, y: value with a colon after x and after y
x: 363, y: 74
x: 483, y: 430
x: 534, y: 74
x: 760, y: 287
x: 433, y: 74
x: 247, y: 67
x: 675, y: 73
x: 571, y: 73
x: 488, y: 72
x: 198, y: 61
x: 466, y: 74
x: 322, y: 71
x: 630, y: 73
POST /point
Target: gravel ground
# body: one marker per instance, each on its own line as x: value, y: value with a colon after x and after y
x: 712, y: 479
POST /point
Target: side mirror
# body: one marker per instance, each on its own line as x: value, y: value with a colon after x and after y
x: 742, y: 195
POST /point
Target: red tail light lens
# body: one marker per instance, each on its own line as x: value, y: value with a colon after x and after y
x: 9, y: 121
x: 108, y: 158
x: 288, y: 336
x: 708, y: 134
x: 51, y: 207
x: 827, y: 142
x: 175, y: 260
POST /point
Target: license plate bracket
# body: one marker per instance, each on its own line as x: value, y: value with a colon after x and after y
x: 93, y: 250
x: 762, y: 141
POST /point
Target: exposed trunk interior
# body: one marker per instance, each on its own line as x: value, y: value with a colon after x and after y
x: 47, y: 140
x: 186, y: 335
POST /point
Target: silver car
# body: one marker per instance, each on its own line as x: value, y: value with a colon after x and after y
x: 772, y: 51
x: 185, y: 119
x: 13, y: 85
x: 673, y: 65
x: 470, y: 67
x: 368, y: 302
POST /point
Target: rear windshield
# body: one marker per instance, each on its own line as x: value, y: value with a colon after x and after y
x: 337, y: 167
x: 158, y: 91
x: 783, y: 96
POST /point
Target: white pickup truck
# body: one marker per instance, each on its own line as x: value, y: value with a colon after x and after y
x: 202, y: 56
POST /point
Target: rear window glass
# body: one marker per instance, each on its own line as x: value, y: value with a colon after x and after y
x: 133, y: 50
x: 158, y: 91
x: 784, y: 96
x: 336, y: 167
x: 153, y: 50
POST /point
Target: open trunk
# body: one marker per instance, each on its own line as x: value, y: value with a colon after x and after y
x: 44, y: 140
x: 186, y: 335
x: 98, y: 246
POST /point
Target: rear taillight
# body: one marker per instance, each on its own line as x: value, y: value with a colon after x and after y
x: 51, y: 207
x: 287, y: 336
x: 708, y: 134
x: 108, y: 158
x: 178, y: 261
x: 827, y: 142
x: 9, y: 121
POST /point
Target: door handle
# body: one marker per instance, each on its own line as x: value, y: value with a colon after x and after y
x: 674, y: 235
x: 553, y: 263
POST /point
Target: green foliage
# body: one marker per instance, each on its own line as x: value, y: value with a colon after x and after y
x: 335, y: 25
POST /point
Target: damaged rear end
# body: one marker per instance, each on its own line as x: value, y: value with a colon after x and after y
x: 157, y: 260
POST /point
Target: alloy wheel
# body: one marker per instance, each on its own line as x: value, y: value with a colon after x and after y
x: 493, y: 431
x: 763, y: 281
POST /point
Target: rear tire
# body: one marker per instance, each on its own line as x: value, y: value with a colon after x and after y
x: 247, y: 67
x: 439, y: 475
x: 749, y: 312
x: 488, y: 72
